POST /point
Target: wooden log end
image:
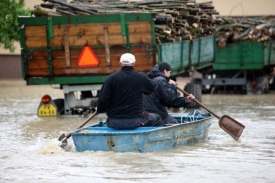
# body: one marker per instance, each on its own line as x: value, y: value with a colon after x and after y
x: 221, y: 43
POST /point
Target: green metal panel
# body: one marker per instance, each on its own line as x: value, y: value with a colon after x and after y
x: 109, y: 18
x: 50, y: 63
x: 198, y: 53
x: 23, y: 65
x: 123, y: 25
x: 253, y: 54
x: 50, y: 28
x: 171, y: 53
x: 267, y: 52
x: 176, y: 54
x: 185, y: 54
x: 206, y: 49
x: 272, y: 52
x: 127, y: 39
x: 22, y: 36
x: 67, y: 80
x: 195, y: 52
x: 243, y: 55
x: 153, y: 35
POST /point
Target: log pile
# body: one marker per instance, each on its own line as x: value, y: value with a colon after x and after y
x: 235, y: 29
x: 175, y: 20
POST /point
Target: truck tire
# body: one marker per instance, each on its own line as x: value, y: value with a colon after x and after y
x: 195, y: 89
x: 60, y: 105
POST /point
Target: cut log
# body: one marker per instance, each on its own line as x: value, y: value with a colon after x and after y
x: 258, y: 28
x: 221, y: 42
x: 161, y: 19
x: 239, y: 36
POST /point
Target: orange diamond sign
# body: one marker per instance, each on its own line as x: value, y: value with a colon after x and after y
x: 87, y: 58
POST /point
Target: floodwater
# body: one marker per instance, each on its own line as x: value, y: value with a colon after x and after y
x: 30, y: 152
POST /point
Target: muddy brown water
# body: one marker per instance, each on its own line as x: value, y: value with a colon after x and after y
x: 29, y: 150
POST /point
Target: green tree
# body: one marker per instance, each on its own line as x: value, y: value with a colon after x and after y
x: 9, y: 12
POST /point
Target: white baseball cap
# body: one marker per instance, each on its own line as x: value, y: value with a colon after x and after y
x: 127, y: 58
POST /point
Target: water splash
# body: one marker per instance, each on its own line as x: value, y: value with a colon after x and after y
x: 47, y: 146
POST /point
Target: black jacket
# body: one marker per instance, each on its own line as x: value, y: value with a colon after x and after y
x: 165, y: 95
x: 121, y: 94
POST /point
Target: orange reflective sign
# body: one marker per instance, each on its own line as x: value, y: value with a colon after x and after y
x: 87, y: 58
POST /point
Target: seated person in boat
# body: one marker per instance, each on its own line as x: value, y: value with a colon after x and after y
x: 165, y: 94
x: 121, y: 97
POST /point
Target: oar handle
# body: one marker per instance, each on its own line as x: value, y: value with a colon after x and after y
x: 198, y: 102
x: 84, y: 123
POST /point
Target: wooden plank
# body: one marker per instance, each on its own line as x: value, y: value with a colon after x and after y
x: 40, y: 54
x: 94, y: 71
x: 146, y: 64
x: 38, y: 64
x: 86, y: 71
x: 66, y: 47
x: 59, y: 62
x: 97, y: 29
x: 142, y: 56
x: 139, y: 38
x: 39, y: 60
x: 91, y: 34
x: 91, y: 40
x: 143, y: 62
x: 36, y: 36
x: 37, y: 73
x: 75, y: 53
x: 36, y: 31
x: 87, y: 29
x: 58, y: 56
x: 107, y: 46
x: 36, y: 42
x: 139, y: 27
x: 138, y: 49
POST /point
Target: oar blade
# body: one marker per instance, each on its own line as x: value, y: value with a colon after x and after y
x: 231, y: 126
x: 63, y: 140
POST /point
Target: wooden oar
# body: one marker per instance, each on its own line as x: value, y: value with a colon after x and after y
x: 63, y: 138
x: 228, y: 124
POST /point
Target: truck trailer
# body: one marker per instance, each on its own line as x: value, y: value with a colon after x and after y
x: 77, y: 53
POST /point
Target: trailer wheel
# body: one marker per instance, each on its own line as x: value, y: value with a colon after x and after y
x: 195, y: 89
x: 60, y: 105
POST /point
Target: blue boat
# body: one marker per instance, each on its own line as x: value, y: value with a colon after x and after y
x: 192, y: 128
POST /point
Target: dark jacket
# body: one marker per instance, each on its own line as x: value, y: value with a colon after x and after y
x: 122, y: 93
x: 165, y: 95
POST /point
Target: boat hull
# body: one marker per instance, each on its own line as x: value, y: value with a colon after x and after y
x: 143, y: 139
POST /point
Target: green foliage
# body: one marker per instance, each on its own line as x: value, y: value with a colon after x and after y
x: 9, y: 12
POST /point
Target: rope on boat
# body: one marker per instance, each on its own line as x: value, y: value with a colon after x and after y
x: 192, y: 117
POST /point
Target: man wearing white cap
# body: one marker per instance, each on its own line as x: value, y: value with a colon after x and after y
x: 121, y: 97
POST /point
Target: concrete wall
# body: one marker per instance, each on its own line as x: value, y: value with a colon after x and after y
x: 10, y: 67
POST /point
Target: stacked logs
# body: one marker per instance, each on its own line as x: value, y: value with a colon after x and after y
x: 175, y: 20
x: 235, y: 29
